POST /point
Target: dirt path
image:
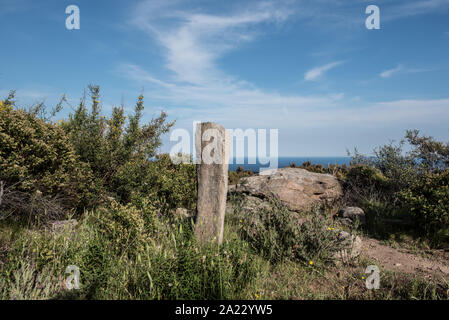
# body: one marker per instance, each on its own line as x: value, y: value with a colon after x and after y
x: 400, y: 260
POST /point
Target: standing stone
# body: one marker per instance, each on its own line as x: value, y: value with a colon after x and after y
x: 212, y: 152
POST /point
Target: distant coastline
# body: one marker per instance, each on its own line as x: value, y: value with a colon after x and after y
x: 285, y: 161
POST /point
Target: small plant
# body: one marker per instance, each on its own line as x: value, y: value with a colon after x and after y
x: 234, y: 177
x: 29, y: 284
x: 277, y: 234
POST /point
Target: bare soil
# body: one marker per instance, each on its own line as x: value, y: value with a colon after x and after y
x: 403, y: 261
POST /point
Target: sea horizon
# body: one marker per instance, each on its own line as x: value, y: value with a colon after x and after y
x: 286, y: 161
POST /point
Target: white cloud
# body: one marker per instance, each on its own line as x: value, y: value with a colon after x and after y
x: 388, y: 73
x: 400, y: 69
x: 194, y: 41
x: 315, y: 73
x: 254, y: 108
x: 199, y: 90
x: 237, y: 94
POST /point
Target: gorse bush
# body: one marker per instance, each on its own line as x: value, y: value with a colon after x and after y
x: 87, y: 158
x: 37, y: 157
x: 124, y: 226
x: 118, y: 150
x: 168, y: 185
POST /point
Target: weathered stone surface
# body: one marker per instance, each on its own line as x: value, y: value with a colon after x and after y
x: 351, y: 214
x: 352, y: 247
x: 212, y: 147
x: 297, y: 188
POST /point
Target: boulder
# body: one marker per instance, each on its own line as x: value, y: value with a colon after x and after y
x: 297, y: 188
x: 349, y: 215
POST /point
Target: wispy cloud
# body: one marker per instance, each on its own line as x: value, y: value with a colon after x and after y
x: 194, y: 41
x: 315, y: 73
x: 390, y: 72
x: 227, y: 99
x: 400, y: 69
x: 197, y: 89
x: 416, y: 7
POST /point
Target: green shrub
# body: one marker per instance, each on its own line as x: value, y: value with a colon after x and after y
x: 235, y: 176
x: 364, y: 181
x: 124, y: 227
x: 277, y: 234
x: 169, y: 185
x: 428, y: 201
x: 85, y: 159
x: 405, y: 169
x: 432, y: 154
x: 108, y: 144
x: 37, y: 158
x: 409, y: 185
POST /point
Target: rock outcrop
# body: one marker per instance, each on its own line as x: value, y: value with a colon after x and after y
x: 349, y: 215
x: 297, y: 188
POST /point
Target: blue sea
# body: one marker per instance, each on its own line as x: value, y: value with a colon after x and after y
x: 285, y: 161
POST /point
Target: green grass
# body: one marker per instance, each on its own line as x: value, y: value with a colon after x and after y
x: 129, y: 253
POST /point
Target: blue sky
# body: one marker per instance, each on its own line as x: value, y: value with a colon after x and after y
x: 308, y: 68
